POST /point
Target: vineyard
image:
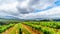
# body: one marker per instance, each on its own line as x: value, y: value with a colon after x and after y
x: 31, y: 27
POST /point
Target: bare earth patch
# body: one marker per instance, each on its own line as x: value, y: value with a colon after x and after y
x: 31, y: 30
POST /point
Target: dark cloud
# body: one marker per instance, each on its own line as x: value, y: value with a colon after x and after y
x: 25, y: 10
x: 21, y: 0
x: 28, y: 9
x: 34, y: 2
x: 13, y: 7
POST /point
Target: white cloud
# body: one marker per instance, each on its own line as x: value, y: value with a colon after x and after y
x: 43, y: 4
x: 24, y: 4
x: 25, y: 9
x: 8, y: 6
x: 53, y: 13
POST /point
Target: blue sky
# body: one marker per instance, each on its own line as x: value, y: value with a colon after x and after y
x: 30, y: 9
x: 57, y: 3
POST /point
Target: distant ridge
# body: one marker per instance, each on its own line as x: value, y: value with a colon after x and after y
x: 15, y: 18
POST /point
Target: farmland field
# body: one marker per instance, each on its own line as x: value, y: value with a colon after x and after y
x: 31, y: 27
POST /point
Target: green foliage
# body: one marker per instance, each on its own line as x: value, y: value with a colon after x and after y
x: 48, y: 30
x: 45, y: 27
x: 5, y: 27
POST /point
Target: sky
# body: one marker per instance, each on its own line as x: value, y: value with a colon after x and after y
x: 30, y: 9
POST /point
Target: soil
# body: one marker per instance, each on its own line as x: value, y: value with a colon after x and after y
x: 31, y: 30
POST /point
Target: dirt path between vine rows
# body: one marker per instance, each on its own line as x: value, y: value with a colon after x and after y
x: 10, y: 30
x: 31, y: 30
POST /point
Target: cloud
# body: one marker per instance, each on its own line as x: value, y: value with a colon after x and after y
x: 53, y: 13
x: 43, y: 4
x: 27, y: 9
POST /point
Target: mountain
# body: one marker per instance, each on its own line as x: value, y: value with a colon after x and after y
x: 15, y: 18
x: 9, y: 17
